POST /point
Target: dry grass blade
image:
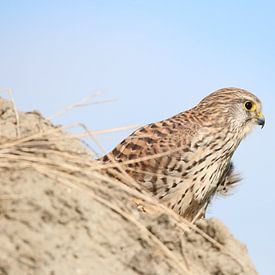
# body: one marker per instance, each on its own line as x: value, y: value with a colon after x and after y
x: 149, y: 157
x: 106, y: 131
x: 116, y: 165
x: 87, y: 101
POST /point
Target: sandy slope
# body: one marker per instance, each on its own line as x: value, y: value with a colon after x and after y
x: 59, y: 216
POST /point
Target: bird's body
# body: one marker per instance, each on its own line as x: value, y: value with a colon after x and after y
x: 186, y: 159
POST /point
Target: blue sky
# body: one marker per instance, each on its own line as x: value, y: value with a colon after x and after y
x: 156, y: 58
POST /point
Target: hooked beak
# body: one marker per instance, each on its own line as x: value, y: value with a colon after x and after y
x: 260, y: 119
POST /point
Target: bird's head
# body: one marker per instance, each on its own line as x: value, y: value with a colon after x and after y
x: 235, y: 108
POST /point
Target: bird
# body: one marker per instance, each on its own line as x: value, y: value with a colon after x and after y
x: 185, y: 160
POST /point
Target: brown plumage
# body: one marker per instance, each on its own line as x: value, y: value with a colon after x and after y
x: 186, y: 159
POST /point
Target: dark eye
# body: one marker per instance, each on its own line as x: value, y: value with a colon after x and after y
x: 248, y: 105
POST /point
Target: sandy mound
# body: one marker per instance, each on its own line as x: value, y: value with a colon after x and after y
x: 60, y: 216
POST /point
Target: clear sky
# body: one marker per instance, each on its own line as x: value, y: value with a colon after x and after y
x: 156, y: 58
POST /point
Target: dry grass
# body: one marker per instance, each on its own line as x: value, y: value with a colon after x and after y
x: 42, y: 152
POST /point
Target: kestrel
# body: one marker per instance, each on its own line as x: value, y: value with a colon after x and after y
x: 185, y: 160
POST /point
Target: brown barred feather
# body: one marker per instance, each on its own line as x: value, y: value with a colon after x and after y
x: 186, y: 159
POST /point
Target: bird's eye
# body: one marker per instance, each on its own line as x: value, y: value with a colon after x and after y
x: 250, y: 106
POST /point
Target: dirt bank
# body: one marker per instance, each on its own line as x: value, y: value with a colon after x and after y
x: 60, y: 216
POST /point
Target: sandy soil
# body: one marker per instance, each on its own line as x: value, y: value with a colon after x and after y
x: 59, y: 215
